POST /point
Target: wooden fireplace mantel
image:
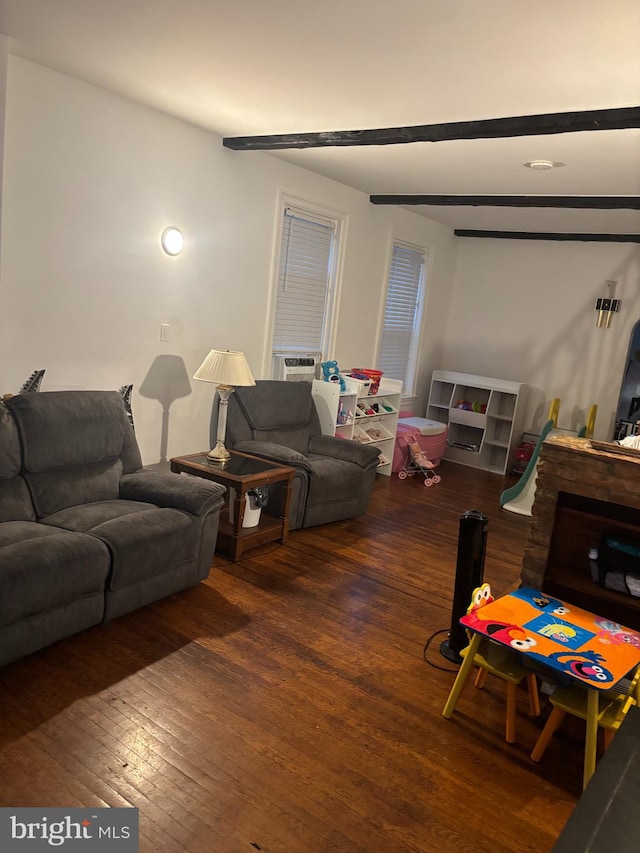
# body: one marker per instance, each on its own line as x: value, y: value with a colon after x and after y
x: 581, y: 492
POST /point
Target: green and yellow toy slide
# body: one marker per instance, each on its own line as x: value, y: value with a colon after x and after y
x: 519, y: 498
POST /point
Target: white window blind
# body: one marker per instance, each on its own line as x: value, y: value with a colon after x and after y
x: 403, y: 309
x: 304, y: 281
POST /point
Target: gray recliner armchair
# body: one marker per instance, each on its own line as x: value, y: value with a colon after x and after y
x: 278, y: 421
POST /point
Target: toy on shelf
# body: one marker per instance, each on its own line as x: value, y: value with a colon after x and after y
x: 381, y: 408
x: 373, y: 376
x: 345, y: 416
x: 419, y: 462
x: 524, y: 452
x: 331, y: 373
x: 480, y: 408
x: 376, y: 434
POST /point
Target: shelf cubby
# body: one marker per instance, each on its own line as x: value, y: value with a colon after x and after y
x: 487, y: 434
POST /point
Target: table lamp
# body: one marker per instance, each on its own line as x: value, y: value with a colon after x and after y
x: 228, y: 370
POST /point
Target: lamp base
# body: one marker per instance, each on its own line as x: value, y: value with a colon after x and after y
x: 219, y: 453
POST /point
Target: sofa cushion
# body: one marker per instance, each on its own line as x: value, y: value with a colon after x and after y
x: 296, y: 439
x: 144, y: 540
x: 16, y: 531
x: 69, y: 428
x: 148, y: 543
x: 271, y: 404
x: 38, y: 575
x: 15, y: 501
x: 55, y: 490
x: 76, y: 446
x: 273, y: 411
x: 84, y: 517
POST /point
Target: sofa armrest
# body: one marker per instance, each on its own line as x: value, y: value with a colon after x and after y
x: 274, y: 452
x: 166, y: 489
x: 345, y: 450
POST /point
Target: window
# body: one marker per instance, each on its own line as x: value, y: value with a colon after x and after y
x: 306, y: 282
x: 400, y: 337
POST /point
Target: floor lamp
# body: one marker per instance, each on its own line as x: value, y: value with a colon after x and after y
x: 228, y: 370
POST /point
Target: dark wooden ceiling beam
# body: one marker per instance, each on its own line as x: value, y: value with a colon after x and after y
x: 494, y: 128
x: 540, y: 235
x: 560, y: 201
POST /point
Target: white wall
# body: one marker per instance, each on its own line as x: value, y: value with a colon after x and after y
x: 90, y: 182
x: 524, y: 310
x: 4, y: 61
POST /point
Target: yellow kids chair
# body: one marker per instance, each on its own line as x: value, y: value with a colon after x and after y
x: 500, y: 661
x: 612, y: 709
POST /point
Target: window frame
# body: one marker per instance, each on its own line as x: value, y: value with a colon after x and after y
x: 327, y: 215
x: 409, y: 381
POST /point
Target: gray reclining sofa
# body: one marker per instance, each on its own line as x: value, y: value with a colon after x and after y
x: 86, y: 534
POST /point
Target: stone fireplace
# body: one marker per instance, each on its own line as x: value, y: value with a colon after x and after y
x: 582, y: 492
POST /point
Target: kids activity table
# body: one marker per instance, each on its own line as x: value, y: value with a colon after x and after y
x: 574, y: 644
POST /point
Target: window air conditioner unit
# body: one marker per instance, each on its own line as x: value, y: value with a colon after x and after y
x: 294, y: 368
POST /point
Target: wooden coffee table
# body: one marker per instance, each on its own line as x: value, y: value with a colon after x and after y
x: 242, y: 473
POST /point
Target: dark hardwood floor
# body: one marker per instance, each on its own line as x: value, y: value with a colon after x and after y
x: 285, y: 705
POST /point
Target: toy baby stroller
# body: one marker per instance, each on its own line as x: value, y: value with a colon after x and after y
x: 418, y: 462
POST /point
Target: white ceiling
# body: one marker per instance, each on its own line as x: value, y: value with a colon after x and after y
x: 251, y: 67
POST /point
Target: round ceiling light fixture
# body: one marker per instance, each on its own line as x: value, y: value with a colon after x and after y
x: 543, y: 165
x: 172, y: 240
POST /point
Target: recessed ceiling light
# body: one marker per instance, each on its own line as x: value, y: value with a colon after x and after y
x: 543, y: 165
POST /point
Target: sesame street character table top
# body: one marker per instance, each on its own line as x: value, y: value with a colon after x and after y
x: 558, y: 635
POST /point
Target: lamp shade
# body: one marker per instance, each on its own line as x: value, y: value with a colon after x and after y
x: 225, y: 367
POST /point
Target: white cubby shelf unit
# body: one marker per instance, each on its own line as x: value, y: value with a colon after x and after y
x: 355, y: 415
x: 484, y: 439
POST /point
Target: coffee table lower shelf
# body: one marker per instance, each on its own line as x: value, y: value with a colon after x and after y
x: 233, y: 544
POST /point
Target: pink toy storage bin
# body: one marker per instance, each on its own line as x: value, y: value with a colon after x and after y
x: 430, y: 435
